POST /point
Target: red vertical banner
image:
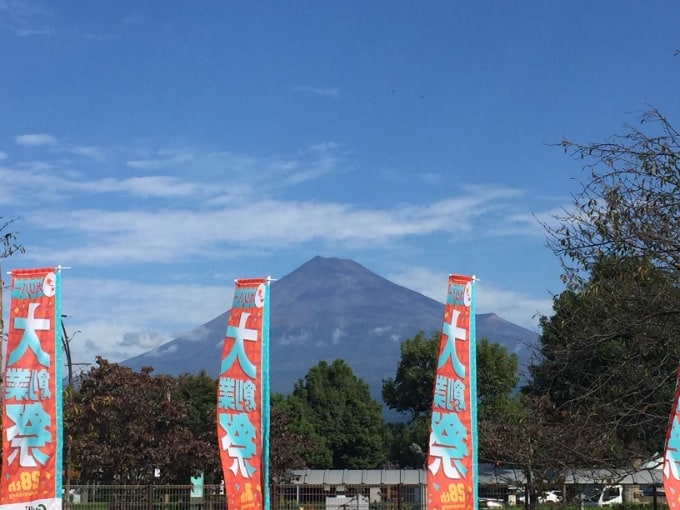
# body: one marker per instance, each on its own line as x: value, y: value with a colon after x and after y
x: 239, y: 397
x: 452, y: 454
x: 31, y: 394
x: 671, y: 458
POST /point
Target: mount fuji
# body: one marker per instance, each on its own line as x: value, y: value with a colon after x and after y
x: 331, y: 308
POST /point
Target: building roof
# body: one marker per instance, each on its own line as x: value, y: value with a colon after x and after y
x: 359, y: 476
x: 488, y: 474
x: 609, y: 477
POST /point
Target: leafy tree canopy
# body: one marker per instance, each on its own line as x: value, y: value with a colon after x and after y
x: 497, y: 379
x: 294, y: 444
x: 342, y: 411
x: 610, y: 351
x: 411, y: 392
x: 125, y: 426
x: 609, y: 356
x: 121, y: 425
x: 198, y: 392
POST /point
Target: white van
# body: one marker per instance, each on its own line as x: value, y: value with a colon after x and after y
x: 609, y: 495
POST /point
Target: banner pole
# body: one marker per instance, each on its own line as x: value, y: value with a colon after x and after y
x: 266, y: 397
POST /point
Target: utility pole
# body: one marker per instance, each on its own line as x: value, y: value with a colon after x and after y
x: 66, y: 344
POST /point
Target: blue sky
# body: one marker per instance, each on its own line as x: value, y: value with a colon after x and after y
x: 162, y: 149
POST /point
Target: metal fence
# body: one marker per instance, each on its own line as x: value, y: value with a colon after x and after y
x: 295, y: 497
x: 211, y: 497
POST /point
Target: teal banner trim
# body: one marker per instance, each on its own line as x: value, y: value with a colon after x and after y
x: 473, y: 394
x: 59, y: 390
x: 266, y: 398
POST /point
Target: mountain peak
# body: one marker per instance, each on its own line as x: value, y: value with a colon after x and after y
x: 329, y: 308
x: 319, y: 267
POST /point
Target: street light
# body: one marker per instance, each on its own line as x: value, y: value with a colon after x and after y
x: 66, y: 344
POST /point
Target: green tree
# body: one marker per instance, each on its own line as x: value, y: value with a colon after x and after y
x: 407, y: 442
x: 198, y: 392
x: 497, y: 378
x: 411, y: 392
x: 611, y: 348
x: 608, y: 360
x: 293, y: 442
x: 317, y: 453
x: 341, y: 408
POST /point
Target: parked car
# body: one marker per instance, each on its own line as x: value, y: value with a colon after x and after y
x: 74, y: 495
x: 521, y: 497
x: 552, y: 496
x: 609, y: 495
x: 491, y: 503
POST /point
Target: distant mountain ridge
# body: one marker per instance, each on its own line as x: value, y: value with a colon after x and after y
x: 331, y: 308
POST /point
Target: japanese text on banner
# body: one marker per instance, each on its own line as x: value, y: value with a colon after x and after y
x: 451, y: 463
x: 239, y: 397
x: 31, y: 440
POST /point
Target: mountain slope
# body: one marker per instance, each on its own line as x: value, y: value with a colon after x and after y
x: 331, y: 308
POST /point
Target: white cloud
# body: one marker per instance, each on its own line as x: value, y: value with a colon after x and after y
x: 144, y: 340
x: 35, y: 140
x: 212, y: 179
x: 122, y: 318
x: 227, y: 206
x: 27, y: 32
x: 99, y: 336
x: 90, y: 151
x: 301, y: 338
x: 162, y: 158
x: 425, y: 280
x: 330, y: 92
x: 25, y: 18
x: 242, y: 171
x: 112, y: 236
x: 338, y: 335
x: 196, y: 334
x: 157, y: 186
x: 381, y: 330
x: 30, y: 182
x: 39, y: 178
x: 513, y: 306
